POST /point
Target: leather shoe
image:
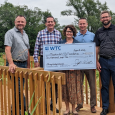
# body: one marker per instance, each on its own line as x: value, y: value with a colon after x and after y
x: 104, y: 112
x: 78, y: 108
x: 51, y: 108
x: 93, y: 110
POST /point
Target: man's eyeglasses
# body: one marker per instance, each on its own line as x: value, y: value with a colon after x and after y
x: 105, y: 17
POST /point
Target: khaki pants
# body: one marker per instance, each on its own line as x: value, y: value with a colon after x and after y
x: 90, y: 74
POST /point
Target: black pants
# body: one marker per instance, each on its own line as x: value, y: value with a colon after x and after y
x: 41, y: 65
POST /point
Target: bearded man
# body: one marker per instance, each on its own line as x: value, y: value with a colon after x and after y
x: 105, y: 47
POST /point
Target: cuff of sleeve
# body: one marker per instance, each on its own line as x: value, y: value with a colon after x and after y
x: 35, y: 61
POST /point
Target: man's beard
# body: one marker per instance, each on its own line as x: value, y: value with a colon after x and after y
x: 105, y: 24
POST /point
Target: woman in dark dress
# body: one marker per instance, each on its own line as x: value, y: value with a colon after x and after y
x: 72, y: 91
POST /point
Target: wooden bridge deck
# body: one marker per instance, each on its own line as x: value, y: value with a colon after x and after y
x: 84, y: 111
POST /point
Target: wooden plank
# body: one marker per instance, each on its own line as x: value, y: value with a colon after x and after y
x: 111, y: 97
x: 53, y: 94
x: 5, y: 99
x: 37, y: 68
x: 31, y: 90
x: 36, y: 93
x: 17, y: 92
x: 26, y: 89
x: 57, y: 74
x: 1, y: 92
x: 21, y: 92
x: 9, y: 96
x: 100, y: 85
x: 32, y: 60
x: 13, y: 94
x: 31, y: 63
x: 60, y: 94
x: 48, y: 95
x: 42, y: 104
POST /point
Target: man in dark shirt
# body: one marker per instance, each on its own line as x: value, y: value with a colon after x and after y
x: 105, y: 47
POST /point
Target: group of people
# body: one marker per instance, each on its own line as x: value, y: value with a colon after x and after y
x: 17, y: 52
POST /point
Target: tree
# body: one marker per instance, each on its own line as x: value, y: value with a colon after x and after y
x: 34, y: 18
x: 89, y: 9
x: 8, y: 13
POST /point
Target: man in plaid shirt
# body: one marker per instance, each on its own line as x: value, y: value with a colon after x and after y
x: 47, y: 36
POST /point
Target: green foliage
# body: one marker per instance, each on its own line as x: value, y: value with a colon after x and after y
x: 1, y: 59
x: 26, y: 112
x: 35, y: 21
x: 89, y: 9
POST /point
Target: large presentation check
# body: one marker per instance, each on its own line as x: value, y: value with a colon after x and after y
x: 69, y: 56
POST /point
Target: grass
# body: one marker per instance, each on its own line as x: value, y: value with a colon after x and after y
x: 1, y: 59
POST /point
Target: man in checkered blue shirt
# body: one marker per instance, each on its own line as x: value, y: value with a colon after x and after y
x: 47, y: 36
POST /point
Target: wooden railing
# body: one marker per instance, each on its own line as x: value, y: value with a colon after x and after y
x: 35, y: 82
x: 98, y: 89
x: 86, y: 88
x: 31, y: 60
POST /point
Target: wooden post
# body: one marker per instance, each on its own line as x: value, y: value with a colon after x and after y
x: 17, y: 92
x: 100, y: 90
x: 111, y: 97
x: 86, y: 89
x: 4, y: 80
x: 1, y: 92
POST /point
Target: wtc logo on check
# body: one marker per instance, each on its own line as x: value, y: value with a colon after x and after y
x: 53, y: 48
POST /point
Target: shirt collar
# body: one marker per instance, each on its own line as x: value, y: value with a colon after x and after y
x: 66, y: 41
x: 50, y: 32
x: 82, y: 34
x: 18, y: 30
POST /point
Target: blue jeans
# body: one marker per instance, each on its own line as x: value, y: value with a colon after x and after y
x: 22, y: 65
x: 107, y: 70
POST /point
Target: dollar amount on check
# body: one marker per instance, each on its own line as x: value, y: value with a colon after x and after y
x: 69, y: 56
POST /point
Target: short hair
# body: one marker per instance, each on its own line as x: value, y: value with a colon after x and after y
x: 83, y: 19
x: 72, y: 28
x: 49, y: 17
x: 20, y: 16
x: 103, y: 12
